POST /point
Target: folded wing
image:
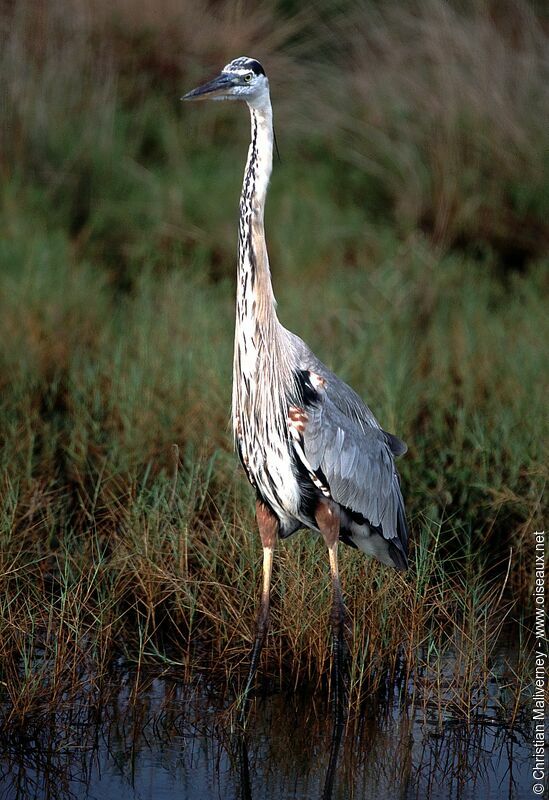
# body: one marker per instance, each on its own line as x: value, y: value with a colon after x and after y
x: 354, y: 463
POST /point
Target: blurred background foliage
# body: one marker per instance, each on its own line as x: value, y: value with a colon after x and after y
x: 408, y: 225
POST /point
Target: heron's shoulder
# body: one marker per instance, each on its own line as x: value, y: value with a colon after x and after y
x: 340, y: 394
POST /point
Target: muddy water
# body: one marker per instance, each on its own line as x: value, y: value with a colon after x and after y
x: 167, y: 741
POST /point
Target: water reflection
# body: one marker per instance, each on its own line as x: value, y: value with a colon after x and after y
x: 168, y: 741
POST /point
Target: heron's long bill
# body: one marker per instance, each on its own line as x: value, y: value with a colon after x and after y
x: 212, y: 89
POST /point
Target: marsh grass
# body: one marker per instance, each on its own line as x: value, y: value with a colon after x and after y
x: 443, y: 107
x: 175, y: 585
x: 127, y: 530
x: 116, y: 543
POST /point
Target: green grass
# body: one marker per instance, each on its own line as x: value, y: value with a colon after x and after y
x: 126, y: 525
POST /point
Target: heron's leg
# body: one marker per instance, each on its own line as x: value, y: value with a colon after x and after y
x: 267, y: 523
x: 327, y: 518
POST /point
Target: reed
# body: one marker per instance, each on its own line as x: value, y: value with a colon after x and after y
x: 126, y: 527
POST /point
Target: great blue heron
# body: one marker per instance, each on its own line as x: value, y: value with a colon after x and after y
x: 312, y: 450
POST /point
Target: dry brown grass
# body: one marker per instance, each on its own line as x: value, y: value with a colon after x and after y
x: 445, y: 108
x: 116, y: 322
x: 171, y: 580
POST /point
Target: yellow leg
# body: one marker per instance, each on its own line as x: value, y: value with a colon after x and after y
x: 268, y: 529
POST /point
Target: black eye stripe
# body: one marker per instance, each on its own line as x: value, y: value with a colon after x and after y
x: 246, y: 63
x: 256, y: 67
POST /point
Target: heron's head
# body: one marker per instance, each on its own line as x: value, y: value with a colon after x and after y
x: 241, y: 79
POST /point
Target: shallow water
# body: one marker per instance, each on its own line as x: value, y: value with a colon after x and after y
x: 168, y: 741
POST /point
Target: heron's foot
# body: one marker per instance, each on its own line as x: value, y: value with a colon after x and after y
x: 243, y: 701
x: 244, y: 768
x: 340, y: 663
x: 340, y: 672
x: 243, y: 707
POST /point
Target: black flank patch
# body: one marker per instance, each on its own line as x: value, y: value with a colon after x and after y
x: 308, y: 393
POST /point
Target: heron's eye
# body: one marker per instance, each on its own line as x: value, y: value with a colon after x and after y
x: 248, y: 77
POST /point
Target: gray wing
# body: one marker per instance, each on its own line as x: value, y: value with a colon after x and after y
x: 357, y: 467
x: 345, y: 399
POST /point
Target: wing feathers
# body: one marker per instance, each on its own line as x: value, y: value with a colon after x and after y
x: 358, y: 465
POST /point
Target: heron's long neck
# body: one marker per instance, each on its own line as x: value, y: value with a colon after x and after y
x: 257, y: 327
x: 255, y: 296
x: 260, y: 357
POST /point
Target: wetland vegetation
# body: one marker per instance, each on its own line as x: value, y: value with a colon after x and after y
x: 408, y: 224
